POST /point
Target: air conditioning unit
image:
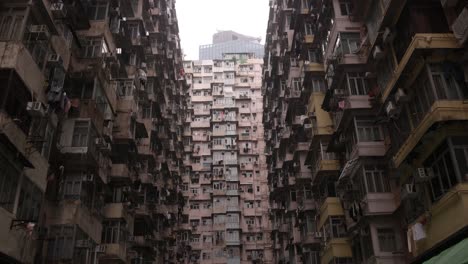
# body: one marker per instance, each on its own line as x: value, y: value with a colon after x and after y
x: 58, y: 10
x: 36, y: 109
x: 83, y: 243
x: 392, y: 110
x: 88, y: 177
x: 100, y: 142
x: 250, y: 226
x: 424, y: 174
x: 39, y: 31
x: 54, y: 59
x: 388, y: 36
x: 307, y: 126
x: 378, y: 53
x: 101, y: 248
x: 400, y: 96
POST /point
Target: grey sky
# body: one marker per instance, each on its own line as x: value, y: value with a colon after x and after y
x: 199, y: 20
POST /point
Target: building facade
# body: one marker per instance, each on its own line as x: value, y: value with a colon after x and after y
x: 225, y: 218
x: 365, y: 130
x: 230, y: 42
x: 92, y: 106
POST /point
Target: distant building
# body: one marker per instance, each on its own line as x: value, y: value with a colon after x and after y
x: 230, y: 42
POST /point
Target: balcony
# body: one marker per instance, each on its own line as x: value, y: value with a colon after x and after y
x: 442, y: 110
x: 115, y: 210
x: 198, y: 111
x: 369, y: 149
x: 420, y: 41
x: 201, y: 86
x: 330, y: 207
x: 233, y: 225
x: 379, y: 203
x: 120, y: 171
x: 115, y: 252
x: 314, y: 67
x: 200, y: 124
x: 233, y: 208
x: 336, y: 248
x: 309, y: 238
x: 447, y: 216
x: 232, y: 193
x: 24, y: 65
x: 233, y: 242
x: 201, y: 98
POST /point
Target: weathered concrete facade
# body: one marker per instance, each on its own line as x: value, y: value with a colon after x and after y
x: 92, y: 104
x: 362, y: 107
x: 225, y: 184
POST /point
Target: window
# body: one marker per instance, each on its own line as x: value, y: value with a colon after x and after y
x: 296, y: 84
x: 441, y: 162
x: 308, y: 28
x: 346, y: 7
x: 29, y: 201
x: 356, y: 83
x: 195, y: 206
x: 8, y: 184
x: 318, y: 84
x: 80, y: 134
x: 98, y: 11
x: 72, y: 186
x: 367, y: 131
x: 347, y: 43
x: 47, y: 144
x: 445, y: 82
x: 60, y: 243
x: 387, y: 239
x: 11, y: 21
x: 125, y: 88
x: 375, y: 180
x: 94, y: 48
x: 335, y: 227
x: 113, y: 231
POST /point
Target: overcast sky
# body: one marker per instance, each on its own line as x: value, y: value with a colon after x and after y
x: 199, y: 20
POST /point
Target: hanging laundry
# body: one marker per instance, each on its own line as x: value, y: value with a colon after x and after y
x: 418, y: 232
x: 341, y: 104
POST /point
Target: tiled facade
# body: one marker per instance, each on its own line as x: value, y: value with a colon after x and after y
x: 225, y: 181
x: 366, y: 129
x: 92, y: 106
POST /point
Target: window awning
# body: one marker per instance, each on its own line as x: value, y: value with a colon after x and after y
x: 457, y: 254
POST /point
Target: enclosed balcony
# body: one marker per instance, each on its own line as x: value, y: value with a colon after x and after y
x: 420, y: 33
x: 447, y: 216
x: 434, y: 97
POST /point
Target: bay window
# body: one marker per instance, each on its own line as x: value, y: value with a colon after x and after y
x: 114, y: 231
x: 94, y: 47
x: 356, y: 83
x: 12, y: 21
x: 448, y: 162
x: 368, y: 131
x: 375, y: 180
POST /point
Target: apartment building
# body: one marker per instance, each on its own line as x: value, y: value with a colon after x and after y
x: 225, y: 218
x: 229, y: 41
x: 365, y: 130
x: 92, y: 106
